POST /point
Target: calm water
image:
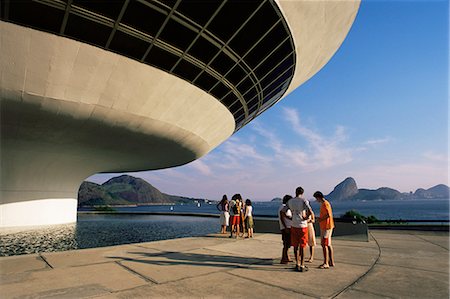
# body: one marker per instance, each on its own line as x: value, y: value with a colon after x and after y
x: 103, y: 230
x: 420, y: 209
x: 107, y: 230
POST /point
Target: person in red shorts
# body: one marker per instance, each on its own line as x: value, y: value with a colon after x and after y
x: 326, y: 224
x: 235, y: 215
x: 301, y: 210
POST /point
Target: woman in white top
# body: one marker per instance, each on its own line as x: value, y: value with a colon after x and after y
x: 249, y: 218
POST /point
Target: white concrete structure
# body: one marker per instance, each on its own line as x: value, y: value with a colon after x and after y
x: 75, y: 103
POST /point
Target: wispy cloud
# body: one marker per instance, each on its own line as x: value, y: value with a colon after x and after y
x: 272, y: 141
x: 201, y: 167
x: 378, y: 141
x: 321, y: 151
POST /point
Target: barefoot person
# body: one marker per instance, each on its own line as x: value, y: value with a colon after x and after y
x: 285, y: 220
x: 326, y: 224
x: 301, y: 210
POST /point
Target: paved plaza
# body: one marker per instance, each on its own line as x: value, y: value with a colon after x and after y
x: 393, y: 264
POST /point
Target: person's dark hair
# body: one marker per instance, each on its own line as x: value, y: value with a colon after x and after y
x: 236, y: 196
x: 286, y: 198
x: 224, y: 198
x: 299, y: 191
x: 318, y: 194
x: 248, y: 202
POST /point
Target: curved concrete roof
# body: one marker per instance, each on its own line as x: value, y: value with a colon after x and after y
x: 77, y: 102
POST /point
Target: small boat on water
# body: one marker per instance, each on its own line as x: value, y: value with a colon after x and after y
x: 171, y: 208
x: 198, y: 205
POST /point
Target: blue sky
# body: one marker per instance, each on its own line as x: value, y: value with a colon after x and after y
x: 378, y: 112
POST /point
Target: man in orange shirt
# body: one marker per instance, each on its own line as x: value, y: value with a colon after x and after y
x: 326, y: 224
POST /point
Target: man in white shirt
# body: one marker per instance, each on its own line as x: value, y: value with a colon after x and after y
x: 301, y: 211
x: 285, y: 220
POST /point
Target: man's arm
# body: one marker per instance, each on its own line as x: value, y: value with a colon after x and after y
x: 282, y: 217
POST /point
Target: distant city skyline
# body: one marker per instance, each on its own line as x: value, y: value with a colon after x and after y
x: 377, y: 112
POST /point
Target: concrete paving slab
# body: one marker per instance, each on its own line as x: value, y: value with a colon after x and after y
x: 216, y: 285
x: 65, y: 282
x: 251, y: 248
x: 171, y: 266
x: 364, y: 256
x: 21, y: 263
x: 349, y: 243
x: 438, y: 240
x: 92, y: 256
x: 269, y: 237
x: 424, y: 258
x: 212, y: 266
x: 395, y: 234
x: 400, y: 243
x: 185, y: 244
x: 401, y: 282
x: 355, y: 294
x: 309, y: 283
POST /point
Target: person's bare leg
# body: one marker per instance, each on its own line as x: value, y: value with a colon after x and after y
x: 331, y: 256
x: 311, y: 254
x: 296, y: 253
x: 284, y: 255
x: 302, y: 256
x: 325, y: 255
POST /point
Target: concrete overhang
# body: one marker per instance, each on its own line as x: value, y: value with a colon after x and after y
x: 70, y: 109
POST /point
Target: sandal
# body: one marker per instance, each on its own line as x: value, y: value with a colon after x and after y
x: 323, y: 266
x: 303, y: 269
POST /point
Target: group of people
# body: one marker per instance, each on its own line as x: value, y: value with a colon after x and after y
x: 238, y: 213
x: 296, y: 219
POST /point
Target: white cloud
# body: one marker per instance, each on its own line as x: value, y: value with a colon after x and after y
x: 321, y: 151
x: 378, y: 141
x: 273, y: 142
x: 201, y: 167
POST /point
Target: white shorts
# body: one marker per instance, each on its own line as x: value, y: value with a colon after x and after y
x: 325, y: 236
x: 224, y: 218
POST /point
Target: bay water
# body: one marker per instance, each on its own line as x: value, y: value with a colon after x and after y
x: 99, y: 230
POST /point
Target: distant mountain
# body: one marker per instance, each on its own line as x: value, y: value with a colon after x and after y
x: 348, y: 190
x: 438, y: 191
x: 125, y: 190
x: 276, y: 199
x: 344, y: 190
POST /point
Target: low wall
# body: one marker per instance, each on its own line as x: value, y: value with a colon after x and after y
x: 343, y: 229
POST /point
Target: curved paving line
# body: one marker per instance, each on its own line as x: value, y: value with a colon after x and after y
x: 365, y: 274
